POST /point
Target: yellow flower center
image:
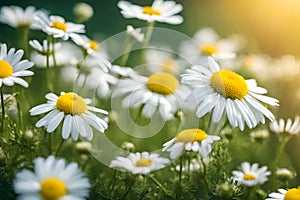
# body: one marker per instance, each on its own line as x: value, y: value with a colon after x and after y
x: 162, y: 83
x: 229, y: 84
x: 53, y: 189
x: 59, y: 25
x: 94, y: 45
x: 292, y: 194
x: 143, y: 162
x: 5, y: 69
x: 168, y: 65
x: 249, y: 177
x: 208, y: 49
x: 191, y: 135
x: 71, y: 103
x: 150, y: 11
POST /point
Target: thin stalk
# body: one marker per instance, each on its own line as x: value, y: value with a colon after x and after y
x: 3, y: 111
x: 49, y: 142
x: 48, y: 79
x: 86, y: 163
x: 126, y: 52
x: 146, y: 41
x: 163, y: 189
x: 280, y: 151
x: 53, y: 52
x: 128, y: 188
x: 112, y: 183
x: 204, y: 174
x: 24, y: 31
x: 59, y: 147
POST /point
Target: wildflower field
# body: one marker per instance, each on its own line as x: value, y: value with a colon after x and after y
x: 155, y: 99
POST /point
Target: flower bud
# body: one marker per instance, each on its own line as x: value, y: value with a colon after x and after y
x: 83, y: 11
x: 84, y: 147
x: 128, y: 146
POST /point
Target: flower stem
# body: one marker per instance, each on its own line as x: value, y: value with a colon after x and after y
x: 128, y: 188
x: 126, y: 52
x: 204, y: 174
x: 163, y: 189
x: 59, y: 147
x: 3, y: 111
x: 280, y: 151
x: 53, y: 51
x: 146, y: 41
x: 112, y: 183
x: 48, y: 66
x: 23, y: 31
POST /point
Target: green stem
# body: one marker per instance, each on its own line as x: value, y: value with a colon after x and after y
x: 126, y: 52
x: 3, y: 110
x: 128, y: 188
x: 112, y: 183
x: 280, y: 151
x: 204, y: 174
x: 24, y: 31
x: 216, y: 127
x: 163, y: 189
x: 146, y: 41
x: 53, y: 51
x: 59, y: 147
x: 49, y: 142
x: 48, y: 79
x: 86, y: 163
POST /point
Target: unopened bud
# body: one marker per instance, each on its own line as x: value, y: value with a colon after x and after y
x: 83, y: 11
x: 128, y: 146
x: 284, y: 174
x: 84, y: 147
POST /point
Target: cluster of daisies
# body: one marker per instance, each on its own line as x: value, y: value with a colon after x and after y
x: 205, y: 85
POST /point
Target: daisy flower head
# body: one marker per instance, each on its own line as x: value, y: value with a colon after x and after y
x: 283, y: 194
x: 160, y: 11
x: 17, y: 17
x: 190, y: 140
x: 135, y: 33
x: 52, y: 178
x: 251, y: 175
x: 57, y: 26
x: 206, y: 42
x: 287, y: 128
x: 140, y: 163
x: 159, y: 92
x: 224, y: 91
x: 74, y: 111
x: 12, y: 67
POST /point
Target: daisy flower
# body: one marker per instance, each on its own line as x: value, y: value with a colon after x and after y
x: 74, y: 111
x: 140, y: 163
x: 52, y: 178
x: 12, y: 67
x: 206, y: 42
x: 286, y: 128
x: 57, y: 26
x: 16, y: 16
x: 95, y: 55
x: 251, y: 175
x: 159, y: 92
x: 161, y: 11
x: 283, y: 194
x: 222, y: 91
x: 190, y: 140
x: 135, y: 33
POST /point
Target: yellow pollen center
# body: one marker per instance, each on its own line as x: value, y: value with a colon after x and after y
x: 249, y: 177
x: 150, y: 11
x: 229, y: 84
x: 59, y: 25
x: 208, y: 49
x: 5, y: 69
x: 53, y: 189
x: 191, y: 135
x: 143, y: 162
x: 94, y: 45
x: 71, y: 103
x: 162, y: 83
x: 292, y: 194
